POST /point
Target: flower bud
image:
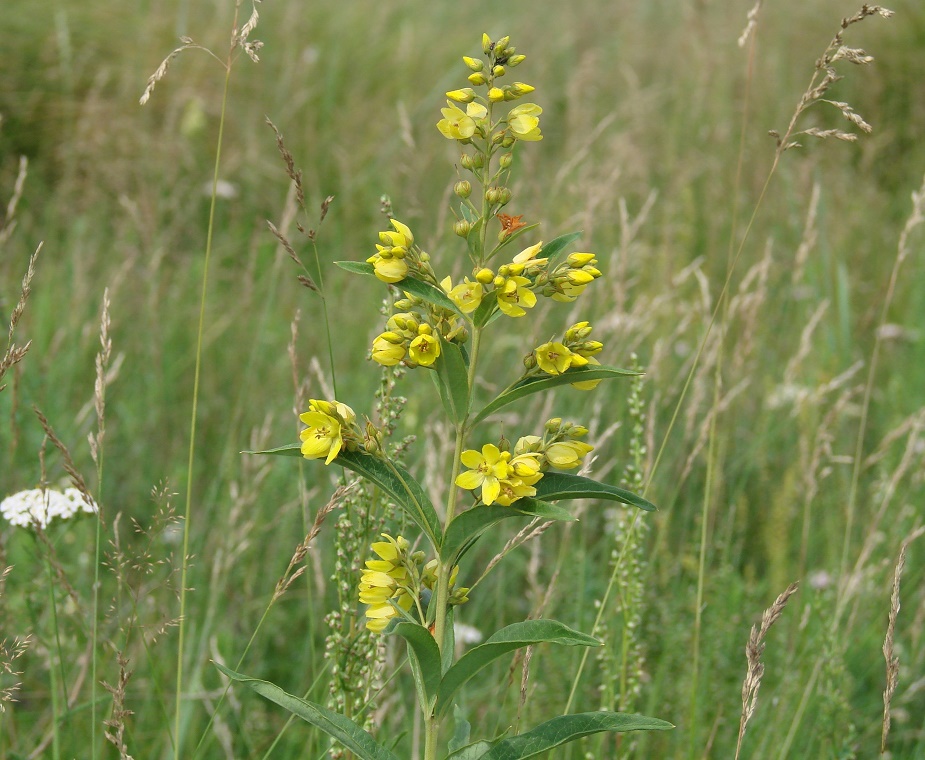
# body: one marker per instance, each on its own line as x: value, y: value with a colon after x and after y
x: 504, y: 444
x: 465, y: 95
x: 506, y: 195
x: 497, y: 70
x: 578, y: 260
x: 424, y: 257
x: 403, y: 304
x: 463, y: 188
x: 394, y: 338
x: 486, y: 44
x: 461, y: 227
x: 515, y: 60
x: 579, y: 277
x: 498, y: 138
x: 495, y: 94
x: 508, y: 140
x: 506, y: 160
x: 520, y: 89
x: 477, y: 79
x: 501, y: 44
x: 484, y: 276
x: 425, y: 329
x: 493, y: 195
x: 465, y: 160
x: 577, y: 431
x: 530, y: 361
x: 499, y: 282
x: 474, y: 63
x: 553, y: 425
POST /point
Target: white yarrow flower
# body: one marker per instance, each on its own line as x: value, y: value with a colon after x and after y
x: 39, y: 506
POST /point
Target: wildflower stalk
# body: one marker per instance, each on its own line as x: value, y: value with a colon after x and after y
x: 178, y: 699
x: 52, y: 671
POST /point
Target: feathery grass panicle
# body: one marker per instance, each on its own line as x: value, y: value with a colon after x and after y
x: 8, y: 223
x: 889, y: 652
x: 753, y: 651
x: 13, y: 353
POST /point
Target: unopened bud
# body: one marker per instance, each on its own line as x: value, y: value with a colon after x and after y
x: 530, y: 361
x: 486, y: 44
x: 504, y: 271
x: 495, y: 94
x: 465, y: 95
x: 463, y: 188
x: 553, y: 425
x: 493, y: 195
x: 516, y: 60
x: 520, y: 89
x: 461, y: 227
x: 403, y: 304
x: 425, y: 329
x: 508, y: 140
x: 506, y: 196
x: 497, y: 70
x: 475, y: 64
x: 577, y: 431
x: 465, y: 160
x: 477, y: 79
x: 501, y: 44
x: 506, y: 160
x: 504, y: 444
x: 484, y: 276
x: 578, y: 260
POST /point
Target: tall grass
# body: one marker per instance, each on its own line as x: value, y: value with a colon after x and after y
x: 813, y: 434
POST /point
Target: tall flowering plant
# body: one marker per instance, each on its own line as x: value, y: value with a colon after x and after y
x: 439, y: 326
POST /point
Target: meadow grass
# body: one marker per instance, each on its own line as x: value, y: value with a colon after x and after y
x: 763, y: 481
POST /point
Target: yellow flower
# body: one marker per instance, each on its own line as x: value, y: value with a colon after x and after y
x: 424, y: 349
x: 388, y: 349
x: 524, y: 122
x: 553, y: 358
x: 527, y: 467
x: 476, y: 111
x: 512, y: 490
x: 528, y: 255
x: 567, y: 292
x: 513, y: 297
x: 455, y: 124
x: 322, y: 437
x: 388, y: 267
x: 567, y: 454
x: 467, y: 295
x: 385, y: 581
x: 486, y: 470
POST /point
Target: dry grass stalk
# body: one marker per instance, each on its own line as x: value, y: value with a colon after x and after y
x: 70, y: 468
x: 531, y: 530
x: 115, y: 725
x: 751, y: 22
x: 301, y: 551
x: 99, y: 386
x: 753, y: 651
x: 9, y: 221
x: 14, y: 354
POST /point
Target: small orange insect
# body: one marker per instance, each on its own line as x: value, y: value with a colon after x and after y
x: 510, y: 224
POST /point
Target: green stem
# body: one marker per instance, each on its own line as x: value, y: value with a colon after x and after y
x: 192, y: 438
x: 52, y: 668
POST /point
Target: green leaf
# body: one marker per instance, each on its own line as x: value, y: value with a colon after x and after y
x: 511, y: 238
x: 454, y: 381
x: 545, y: 382
x: 344, y: 730
x: 566, y: 728
x: 461, y: 731
x: 500, y: 643
x: 469, y: 525
x: 554, y: 249
x: 412, y: 285
x: 556, y: 486
x: 423, y: 651
x: 357, y: 267
x: 486, y: 311
x: 394, y: 480
x: 471, y: 752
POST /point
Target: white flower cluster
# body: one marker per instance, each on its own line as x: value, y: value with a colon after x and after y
x: 39, y: 506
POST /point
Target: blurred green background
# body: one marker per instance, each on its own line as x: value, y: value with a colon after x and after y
x: 644, y: 104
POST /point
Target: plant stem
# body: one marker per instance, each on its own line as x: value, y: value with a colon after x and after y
x: 192, y: 437
x: 52, y: 671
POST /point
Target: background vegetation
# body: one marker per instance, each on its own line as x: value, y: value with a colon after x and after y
x: 643, y: 108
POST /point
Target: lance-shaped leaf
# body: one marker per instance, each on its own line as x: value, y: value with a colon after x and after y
x: 472, y: 751
x: 394, y: 480
x: 412, y: 285
x: 557, y: 486
x: 554, y: 249
x: 500, y: 643
x: 545, y: 382
x: 425, y: 654
x: 344, y: 730
x: 487, y: 311
x: 567, y: 728
x: 469, y: 525
x: 453, y: 381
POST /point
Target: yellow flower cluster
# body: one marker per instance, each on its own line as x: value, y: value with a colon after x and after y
x: 504, y: 476
x: 554, y: 358
x: 406, y: 339
x: 395, y: 583
x: 390, y: 261
x: 330, y: 426
x: 521, y: 123
x: 569, y: 280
